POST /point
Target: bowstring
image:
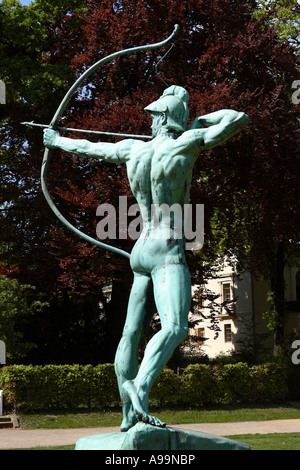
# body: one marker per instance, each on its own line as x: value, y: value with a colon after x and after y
x: 157, y: 73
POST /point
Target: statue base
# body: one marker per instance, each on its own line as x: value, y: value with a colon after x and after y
x: 146, y: 437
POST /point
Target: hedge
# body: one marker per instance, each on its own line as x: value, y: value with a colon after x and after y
x: 76, y: 387
x: 34, y: 388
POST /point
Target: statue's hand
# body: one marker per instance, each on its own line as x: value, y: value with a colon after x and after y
x: 51, y: 138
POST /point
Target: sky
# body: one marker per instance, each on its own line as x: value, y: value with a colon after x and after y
x: 25, y: 2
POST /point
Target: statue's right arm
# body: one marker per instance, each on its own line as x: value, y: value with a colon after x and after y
x: 114, y: 153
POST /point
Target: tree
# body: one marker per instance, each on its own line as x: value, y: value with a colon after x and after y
x: 285, y: 16
x: 36, y: 81
x: 17, y: 304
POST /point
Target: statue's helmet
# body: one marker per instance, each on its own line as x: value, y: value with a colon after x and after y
x: 174, y: 103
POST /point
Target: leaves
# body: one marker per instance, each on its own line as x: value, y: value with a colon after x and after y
x: 285, y: 16
x: 17, y: 304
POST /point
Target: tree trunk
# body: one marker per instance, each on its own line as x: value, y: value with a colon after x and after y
x: 116, y: 311
x: 278, y: 297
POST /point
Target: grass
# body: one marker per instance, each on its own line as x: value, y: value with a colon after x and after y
x: 284, y: 441
x: 220, y: 414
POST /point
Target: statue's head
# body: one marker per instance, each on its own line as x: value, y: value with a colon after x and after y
x: 172, y: 106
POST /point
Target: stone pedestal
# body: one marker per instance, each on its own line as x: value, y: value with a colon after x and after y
x: 146, y: 437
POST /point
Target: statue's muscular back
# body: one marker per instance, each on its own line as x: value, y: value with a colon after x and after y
x: 159, y: 173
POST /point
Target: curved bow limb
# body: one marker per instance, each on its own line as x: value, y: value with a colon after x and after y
x: 54, y: 123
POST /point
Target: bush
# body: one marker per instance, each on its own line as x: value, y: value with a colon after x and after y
x: 234, y: 383
x: 165, y: 389
x: 269, y: 382
x: 197, y: 385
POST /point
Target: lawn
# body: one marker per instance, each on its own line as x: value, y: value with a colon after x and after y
x: 284, y: 441
x: 220, y: 414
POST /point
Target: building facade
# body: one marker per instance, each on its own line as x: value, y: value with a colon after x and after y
x: 241, y: 325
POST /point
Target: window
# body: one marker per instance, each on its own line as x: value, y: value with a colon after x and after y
x: 199, y: 298
x: 200, y: 334
x: 227, y: 333
x: 298, y: 285
x: 226, y: 292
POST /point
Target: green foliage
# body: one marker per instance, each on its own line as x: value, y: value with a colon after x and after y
x: 270, y: 315
x: 17, y: 304
x: 166, y: 388
x: 27, y: 49
x: 35, y: 388
x: 269, y: 381
x: 105, y: 386
x: 285, y: 15
x: 233, y: 382
x: 197, y: 385
x: 76, y: 387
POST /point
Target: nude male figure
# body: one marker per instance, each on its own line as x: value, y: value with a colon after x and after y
x: 159, y: 172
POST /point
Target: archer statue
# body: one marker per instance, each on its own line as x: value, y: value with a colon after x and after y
x: 159, y: 172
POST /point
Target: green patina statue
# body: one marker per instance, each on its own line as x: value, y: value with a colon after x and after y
x: 159, y: 172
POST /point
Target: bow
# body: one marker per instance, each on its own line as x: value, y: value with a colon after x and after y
x: 54, y: 124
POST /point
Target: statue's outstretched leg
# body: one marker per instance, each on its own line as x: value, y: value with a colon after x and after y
x: 126, y: 360
x: 172, y: 292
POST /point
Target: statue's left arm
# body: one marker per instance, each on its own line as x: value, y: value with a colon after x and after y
x: 113, y: 153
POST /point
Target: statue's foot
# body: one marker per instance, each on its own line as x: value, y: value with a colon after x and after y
x: 138, y: 408
x: 129, y: 419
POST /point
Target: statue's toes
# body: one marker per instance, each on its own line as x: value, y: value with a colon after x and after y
x: 156, y: 422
